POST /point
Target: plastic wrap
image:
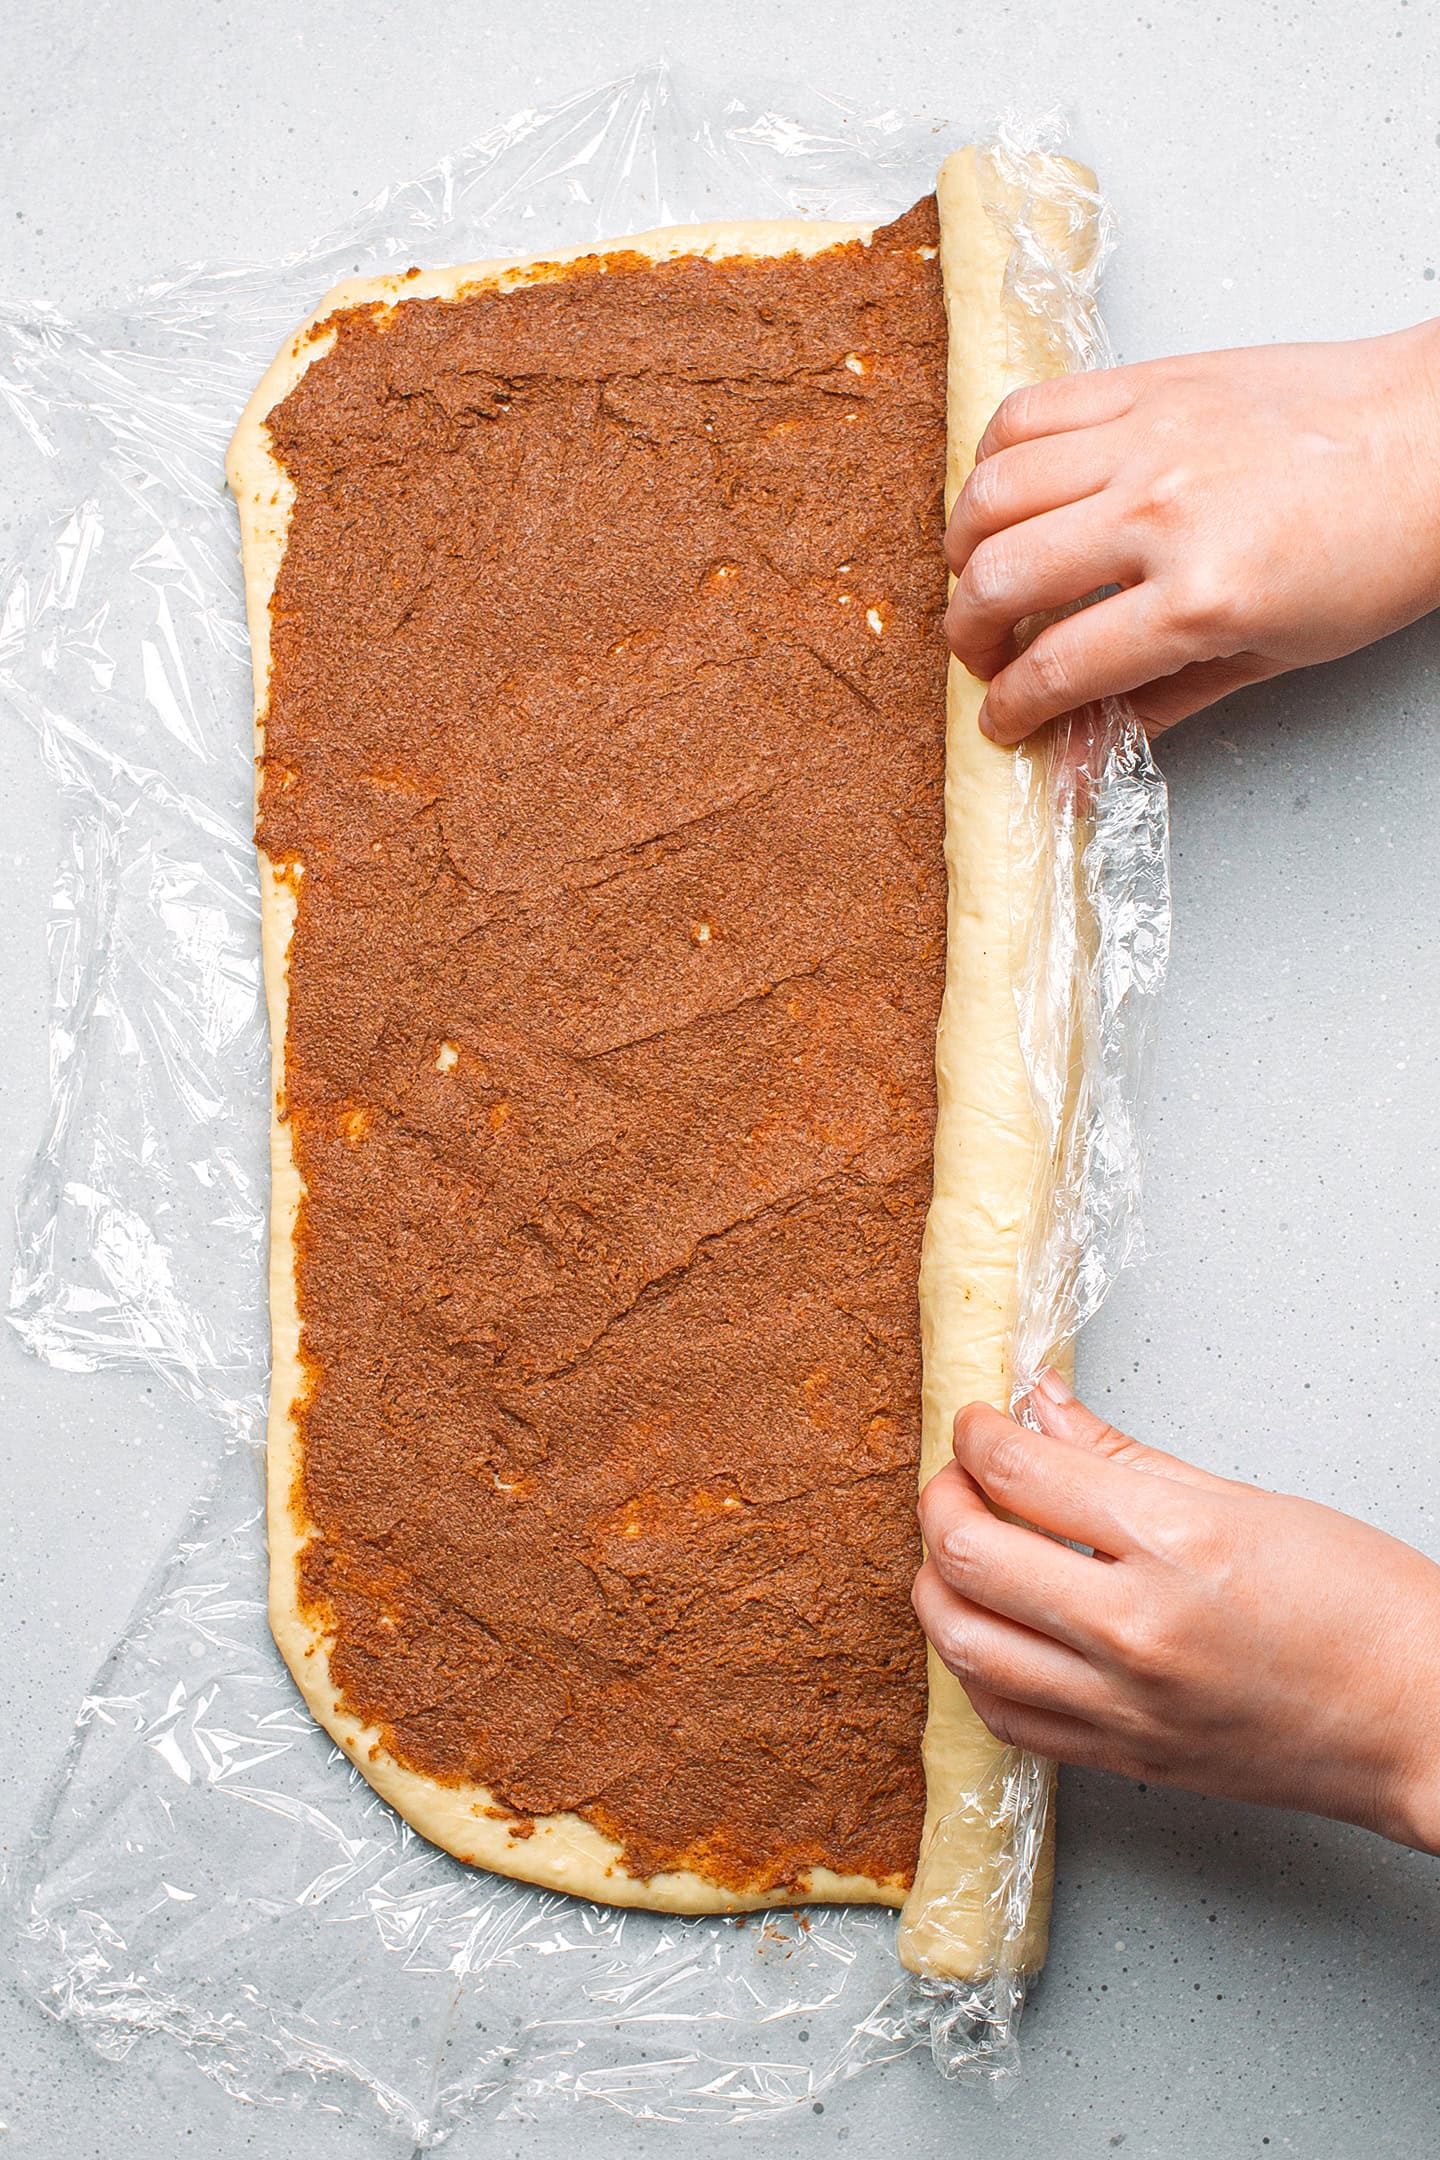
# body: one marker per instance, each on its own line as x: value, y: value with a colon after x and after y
x: 208, y: 1866
x: 1090, y: 827
x: 1091, y: 933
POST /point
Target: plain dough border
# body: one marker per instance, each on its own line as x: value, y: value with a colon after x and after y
x: 985, y: 1154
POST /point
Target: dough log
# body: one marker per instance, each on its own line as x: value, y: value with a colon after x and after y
x: 960, y: 1918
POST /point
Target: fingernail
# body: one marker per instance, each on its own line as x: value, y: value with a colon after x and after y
x: 987, y: 725
x: 1053, y: 1388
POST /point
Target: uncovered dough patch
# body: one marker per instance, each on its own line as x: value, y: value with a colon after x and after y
x: 596, y: 607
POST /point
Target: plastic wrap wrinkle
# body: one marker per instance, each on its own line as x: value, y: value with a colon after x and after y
x: 208, y: 1867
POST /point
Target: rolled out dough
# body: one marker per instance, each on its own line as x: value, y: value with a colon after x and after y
x: 985, y: 1155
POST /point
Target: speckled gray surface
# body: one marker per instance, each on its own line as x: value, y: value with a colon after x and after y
x: 1223, y: 1981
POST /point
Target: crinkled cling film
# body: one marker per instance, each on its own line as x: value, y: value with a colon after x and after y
x: 208, y: 1866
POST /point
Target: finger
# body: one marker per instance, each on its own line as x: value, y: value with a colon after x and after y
x: 1011, y: 1570
x: 1065, y: 1418
x: 1159, y: 704
x: 1024, y: 482
x: 1047, y: 562
x: 1051, y: 1733
x: 1057, y: 407
x: 1102, y: 652
x: 987, y: 1651
x: 1069, y: 1490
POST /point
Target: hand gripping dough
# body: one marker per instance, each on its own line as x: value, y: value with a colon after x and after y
x: 986, y: 1144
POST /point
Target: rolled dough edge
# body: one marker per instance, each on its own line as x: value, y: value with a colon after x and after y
x: 959, y: 1920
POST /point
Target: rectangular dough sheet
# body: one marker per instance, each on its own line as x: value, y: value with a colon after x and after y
x: 986, y: 1142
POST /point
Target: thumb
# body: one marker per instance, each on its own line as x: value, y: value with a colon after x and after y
x: 1065, y: 1418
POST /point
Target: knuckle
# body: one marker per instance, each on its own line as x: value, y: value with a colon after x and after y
x: 960, y: 626
x: 1049, y: 671
x: 1012, y: 414
x: 1004, y: 1719
x: 1161, y: 499
x: 981, y: 493
x: 987, y: 577
x: 1006, y: 1459
x: 933, y: 1508
x: 1145, y: 1641
x: 1198, y: 603
x: 1110, y: 1441
x: 955, y: 1642
x: 1178, y: 1541
x: 958, y: 1550
x: 1001, y: 708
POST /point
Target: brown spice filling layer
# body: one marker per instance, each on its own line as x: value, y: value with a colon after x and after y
x: 607, y: 721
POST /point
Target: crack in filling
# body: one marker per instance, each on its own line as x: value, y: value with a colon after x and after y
x: 609, y: 1068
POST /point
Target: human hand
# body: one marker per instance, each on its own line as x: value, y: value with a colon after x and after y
x: 1260, y: 510
x: 1230, y: 1640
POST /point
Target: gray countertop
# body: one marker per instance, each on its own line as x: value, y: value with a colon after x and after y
x: 1223, y: 1980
